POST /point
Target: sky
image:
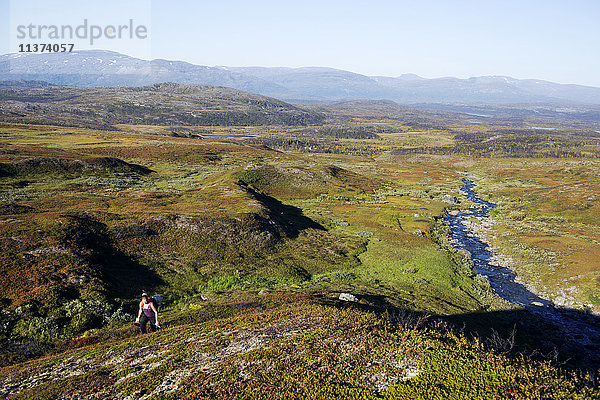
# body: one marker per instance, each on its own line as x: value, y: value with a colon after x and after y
x: 551, y: 40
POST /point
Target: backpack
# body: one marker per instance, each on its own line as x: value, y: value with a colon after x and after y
x: 157, y: 300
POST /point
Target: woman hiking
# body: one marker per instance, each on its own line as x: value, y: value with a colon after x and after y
x: 147, y: 312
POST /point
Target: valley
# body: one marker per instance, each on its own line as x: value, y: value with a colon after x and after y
x: 252, y: 231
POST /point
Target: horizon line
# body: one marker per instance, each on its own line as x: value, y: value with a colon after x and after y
x: 308, y: 66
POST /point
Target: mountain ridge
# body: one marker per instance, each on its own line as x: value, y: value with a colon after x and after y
x: 310, y: 84
x: 164, y: 103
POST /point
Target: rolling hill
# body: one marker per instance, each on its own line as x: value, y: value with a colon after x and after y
x: 158, y: 104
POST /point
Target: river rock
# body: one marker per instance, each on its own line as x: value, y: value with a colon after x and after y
x: 450, y: 199
x: 575, y: 329
x: 348, y: 297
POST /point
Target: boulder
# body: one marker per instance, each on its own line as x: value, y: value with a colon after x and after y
x: 348, y: 297
x: 450, y: 199
x: 340, y: 222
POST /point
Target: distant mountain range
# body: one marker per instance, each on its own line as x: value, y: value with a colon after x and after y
x: 310, y: 84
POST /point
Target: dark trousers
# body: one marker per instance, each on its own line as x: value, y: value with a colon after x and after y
x: 144, y: 320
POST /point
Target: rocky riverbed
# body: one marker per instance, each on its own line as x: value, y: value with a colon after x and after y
x: 470, y: 230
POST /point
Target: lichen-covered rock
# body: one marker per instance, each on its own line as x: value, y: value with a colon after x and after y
x: 348, y: 297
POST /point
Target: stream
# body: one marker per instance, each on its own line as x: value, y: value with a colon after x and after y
x: 575, y: 326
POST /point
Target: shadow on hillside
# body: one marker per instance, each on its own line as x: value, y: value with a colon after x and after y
x: 290, y: 219
x: 122, y: 276
x: 572, y: 342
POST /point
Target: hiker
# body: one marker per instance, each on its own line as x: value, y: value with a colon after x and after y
x: 147, y: 312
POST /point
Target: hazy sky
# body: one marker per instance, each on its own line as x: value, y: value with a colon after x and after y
x: 552, y: 40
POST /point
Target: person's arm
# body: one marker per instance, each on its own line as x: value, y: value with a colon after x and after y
x: 155, y: 314
x: 139, y: 312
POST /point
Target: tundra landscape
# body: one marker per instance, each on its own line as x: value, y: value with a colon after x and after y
x: 357, y: 249
x: 299, y: 200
